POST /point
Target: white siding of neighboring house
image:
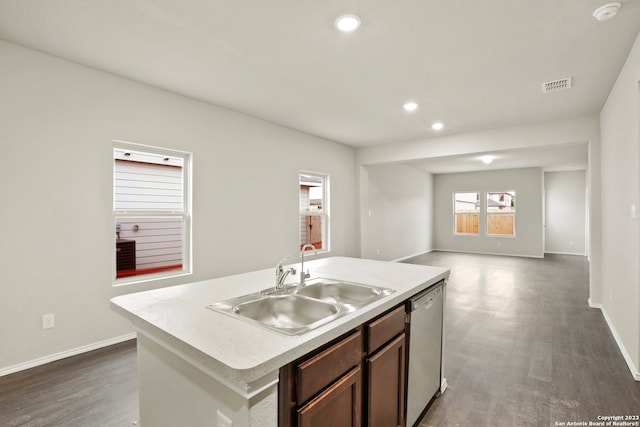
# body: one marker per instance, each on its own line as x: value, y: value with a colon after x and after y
x: 158, y: 240
x: 146, y: 186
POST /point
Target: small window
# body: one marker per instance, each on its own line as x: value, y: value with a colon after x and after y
x: 314, y: 210
x: 467, y: 212
x: 151, y: 211
x: 501, y: 213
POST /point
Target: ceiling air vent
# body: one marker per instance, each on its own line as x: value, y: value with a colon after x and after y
x: 556, y: 85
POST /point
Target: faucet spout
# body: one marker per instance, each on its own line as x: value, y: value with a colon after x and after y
x: 305, y: 275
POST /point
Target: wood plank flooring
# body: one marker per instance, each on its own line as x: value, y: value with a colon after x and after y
x: 98, y: 388
x: 522, y: 347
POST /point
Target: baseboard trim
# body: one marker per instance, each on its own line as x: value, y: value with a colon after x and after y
x: 487, y: 253
x: 411, y: 256
x: 594, y: 304
x: 565, y: 253
x: 64, y: 354
x: 632, y: 367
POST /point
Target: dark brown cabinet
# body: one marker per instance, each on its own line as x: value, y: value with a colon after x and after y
x: 356, y: 380
x: 385, y: 400
x: 385, y: 365
x: 324, y: 385
x: 338, y: 406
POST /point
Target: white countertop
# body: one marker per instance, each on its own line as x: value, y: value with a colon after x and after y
x: 241, y: 352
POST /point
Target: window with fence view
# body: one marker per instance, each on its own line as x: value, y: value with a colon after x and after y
x: 150, y: 210
x: 501, y: 213
x: 313, y: 210
x: 467, y: 212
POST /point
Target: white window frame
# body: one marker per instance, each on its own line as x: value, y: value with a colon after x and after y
x: 185, y: 213
x: 488, y: 213
x: 324, y: 212
x: 479, y: 213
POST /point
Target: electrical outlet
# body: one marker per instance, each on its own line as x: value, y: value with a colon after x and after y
x: 48, y: 321
x: 223, y: 420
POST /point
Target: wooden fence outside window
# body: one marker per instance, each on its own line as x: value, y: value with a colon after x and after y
x: 497, y: 224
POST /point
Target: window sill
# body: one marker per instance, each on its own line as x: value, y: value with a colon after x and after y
x: 150, y: 277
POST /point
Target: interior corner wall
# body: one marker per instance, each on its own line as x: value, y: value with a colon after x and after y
x: 526, y: 182
x: 58, y: 120
x: 565, y: 212
x: 594, y: 218
x: 397, y: 218
x: 620, y: 163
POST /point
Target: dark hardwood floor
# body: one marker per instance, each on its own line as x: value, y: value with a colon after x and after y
x: 522, y: 347
x: 98, y: 388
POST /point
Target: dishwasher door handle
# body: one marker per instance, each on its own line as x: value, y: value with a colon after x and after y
x: 425, y: 303
x: 425, y: 300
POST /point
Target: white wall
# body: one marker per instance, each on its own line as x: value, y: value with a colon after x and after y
x: 565, y: 218
x: 57, y: 123
x: 526, y: 182
x: 397, y: 215
x: 557, y: 132
x: 620, y: 152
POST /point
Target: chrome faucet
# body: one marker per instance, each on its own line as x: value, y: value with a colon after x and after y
x: 281, y: 273
x: 306, y: 275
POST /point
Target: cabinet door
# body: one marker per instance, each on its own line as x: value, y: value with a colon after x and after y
x: 386, y: 375
x: 338, y: 406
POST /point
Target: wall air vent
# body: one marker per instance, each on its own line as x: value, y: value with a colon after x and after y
x: 556, y: 85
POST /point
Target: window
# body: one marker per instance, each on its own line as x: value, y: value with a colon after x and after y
x: 314, y: 210
x: 467, y: 213
x: 151, y: 208
x: 501, y: 213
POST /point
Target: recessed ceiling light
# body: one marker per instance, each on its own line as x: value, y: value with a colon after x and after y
x: 486, y: 159
x: 347, y: 23
x: 607, y: 11
x: 437, y: 126
x: 410, y: 106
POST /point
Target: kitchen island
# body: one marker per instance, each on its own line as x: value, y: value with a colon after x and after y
x: 200, y: 367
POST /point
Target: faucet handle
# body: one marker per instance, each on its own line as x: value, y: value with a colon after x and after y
x: 282, y: 261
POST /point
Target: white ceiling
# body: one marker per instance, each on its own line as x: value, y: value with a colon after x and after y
x: 565, y: 157
x: 473, y: 64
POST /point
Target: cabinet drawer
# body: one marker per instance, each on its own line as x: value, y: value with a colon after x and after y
x: 324, y: 368
x: 384, y: 328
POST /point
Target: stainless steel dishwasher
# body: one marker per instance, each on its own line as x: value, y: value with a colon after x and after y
x: 425, y: 350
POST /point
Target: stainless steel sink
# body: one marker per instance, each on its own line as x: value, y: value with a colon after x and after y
x: 291, y: 314
x: 300, y: 309
x: 348, y: 294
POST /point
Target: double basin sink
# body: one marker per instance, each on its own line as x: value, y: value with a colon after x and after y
x: 297, y: 309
